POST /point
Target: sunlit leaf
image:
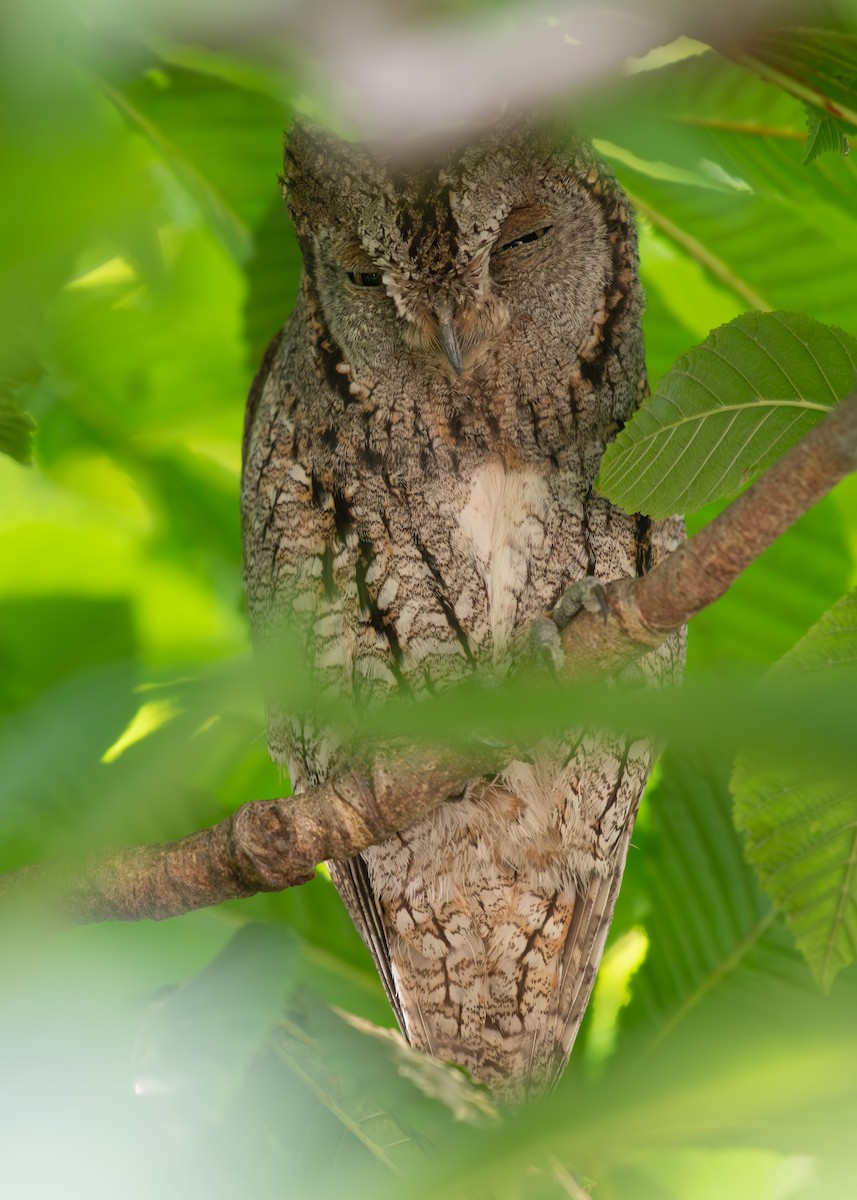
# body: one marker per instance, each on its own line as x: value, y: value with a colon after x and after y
x: 744, y: 139
x: 149, y: 261
x: 777, y: 598
x: 726, y: 410
x: 801, y: 819
x: 221, y: 140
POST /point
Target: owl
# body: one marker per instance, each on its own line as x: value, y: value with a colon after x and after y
x: 420, y: 452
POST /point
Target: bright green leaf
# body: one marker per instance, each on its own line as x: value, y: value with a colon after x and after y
x: 149, y: 262
x: 745, y: 140
x: 714, y: 940
x: 801, y: 819
x: 221, y: 141
x: 727, y: 410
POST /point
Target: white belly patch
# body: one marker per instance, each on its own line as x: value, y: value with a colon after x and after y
x: 503, y: 527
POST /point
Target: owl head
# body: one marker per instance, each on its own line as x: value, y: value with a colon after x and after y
x: 517, y: 243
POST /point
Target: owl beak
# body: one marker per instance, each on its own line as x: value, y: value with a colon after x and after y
x: 449, y: 340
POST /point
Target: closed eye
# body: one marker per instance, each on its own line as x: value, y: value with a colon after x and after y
x: 525, y: 238
x: 366, y: 278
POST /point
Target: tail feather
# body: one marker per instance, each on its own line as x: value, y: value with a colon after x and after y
x: 495, y: 976
x: 580, y: 964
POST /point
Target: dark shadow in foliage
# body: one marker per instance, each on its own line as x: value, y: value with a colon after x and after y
x: 51, y: 754
x: 44, y: 638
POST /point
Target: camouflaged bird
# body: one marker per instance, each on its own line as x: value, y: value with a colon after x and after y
x: 421, y: 446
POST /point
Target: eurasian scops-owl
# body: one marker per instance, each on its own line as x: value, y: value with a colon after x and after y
x: 421, y: 447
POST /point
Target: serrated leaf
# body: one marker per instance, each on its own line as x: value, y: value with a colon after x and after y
x: 16, y: 432
x: 388, y: 1098
x: 818, y: 65
x: 826, y: 135
x: 715, y: 946
x: 801, y: 822
x: 726, y: 410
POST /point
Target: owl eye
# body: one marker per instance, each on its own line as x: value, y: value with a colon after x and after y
x: 527, y: 237
x: 365, y: 278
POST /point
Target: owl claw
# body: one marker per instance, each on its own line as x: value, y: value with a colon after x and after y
x: 545, y: 645
x: 587, y: 593
x: 544, y: 641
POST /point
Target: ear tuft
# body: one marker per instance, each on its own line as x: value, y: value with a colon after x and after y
x: 315, y: 163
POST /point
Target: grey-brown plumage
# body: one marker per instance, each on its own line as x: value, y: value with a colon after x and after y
x: 421, y: 446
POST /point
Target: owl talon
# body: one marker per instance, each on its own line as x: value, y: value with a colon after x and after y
x: 588, y: 594
x: 544, y: 645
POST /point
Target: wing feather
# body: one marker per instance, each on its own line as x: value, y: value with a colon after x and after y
x: 352, y: 882
x: 581, y: 957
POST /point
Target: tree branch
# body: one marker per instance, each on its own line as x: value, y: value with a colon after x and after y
x: 268, y: 845
x: 643, y: 612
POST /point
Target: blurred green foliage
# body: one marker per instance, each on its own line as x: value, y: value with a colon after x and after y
x: 146, y: 261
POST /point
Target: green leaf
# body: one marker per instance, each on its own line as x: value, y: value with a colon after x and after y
x: 380, y: 1090
x: 826, y: 135
x: 202, y: 1038
x: 272, y: 272
x: 801, y: 819
x: 44, y: 638
x: 16, y: 432
x: 334, y: 960
x: 744, y: 141
x: 62, y: 734
x: 727, y: 410
x: 715, y: 946
x: 222, y: 141
x: 816, y: 65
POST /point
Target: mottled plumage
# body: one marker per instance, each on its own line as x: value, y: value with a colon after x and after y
x: 421, y: 446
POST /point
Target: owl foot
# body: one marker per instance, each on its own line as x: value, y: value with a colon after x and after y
x: 544, y: 643
x: 587, y: 593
